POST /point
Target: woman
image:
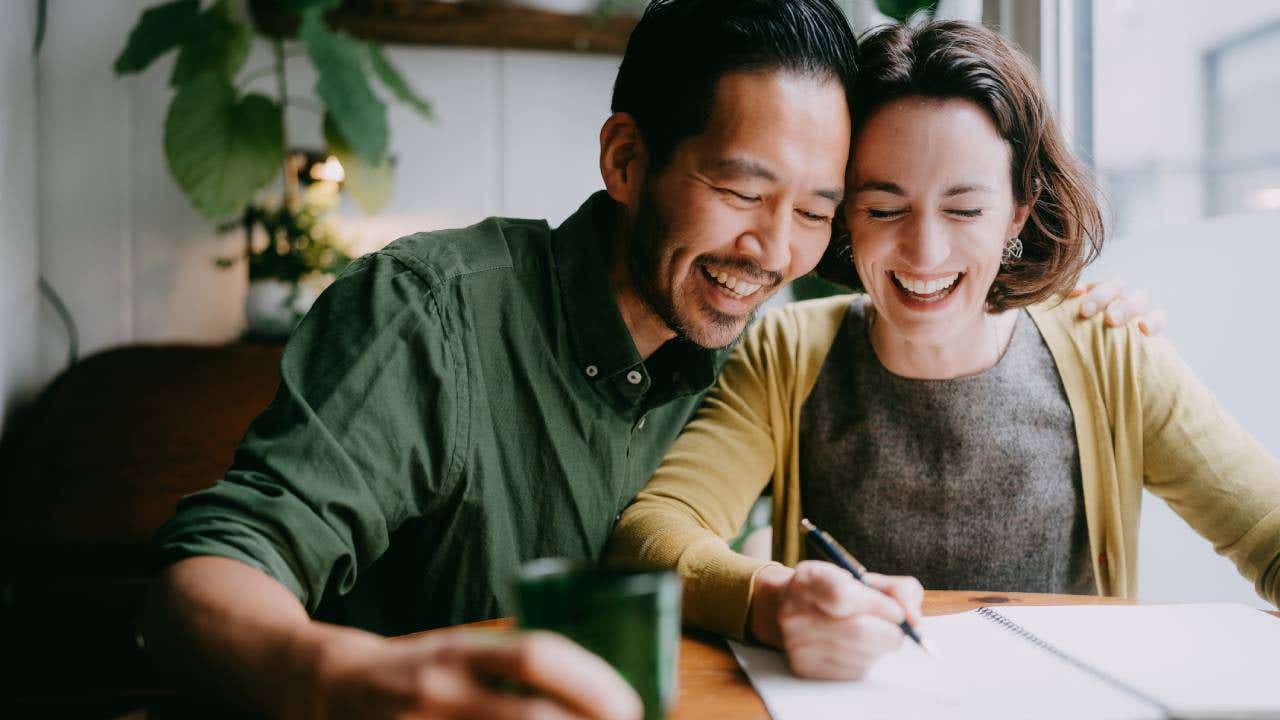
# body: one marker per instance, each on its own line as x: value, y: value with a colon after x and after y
x: 955, y: 423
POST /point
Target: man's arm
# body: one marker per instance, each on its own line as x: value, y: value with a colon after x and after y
x: 229, y: 629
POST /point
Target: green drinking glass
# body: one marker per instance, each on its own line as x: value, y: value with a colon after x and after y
x: 631, y: 618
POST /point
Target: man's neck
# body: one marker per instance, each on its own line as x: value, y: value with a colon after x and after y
x: 648, y: 331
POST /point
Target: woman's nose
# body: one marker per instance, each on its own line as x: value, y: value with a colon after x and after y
x: 925, y: 245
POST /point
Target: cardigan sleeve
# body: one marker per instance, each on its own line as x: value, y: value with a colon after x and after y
x: 701, y: 494
x: 741, y: 439
x: 1220, y: 479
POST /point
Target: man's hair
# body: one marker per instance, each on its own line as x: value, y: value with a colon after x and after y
x: 959, y: 60
x: 680, y: 49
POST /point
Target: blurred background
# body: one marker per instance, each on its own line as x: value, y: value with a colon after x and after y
x: 115, y: 238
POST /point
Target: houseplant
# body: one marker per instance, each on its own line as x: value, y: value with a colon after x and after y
x: 225, y: 144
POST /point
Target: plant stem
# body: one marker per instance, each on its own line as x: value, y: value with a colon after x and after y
x: 283, y: 87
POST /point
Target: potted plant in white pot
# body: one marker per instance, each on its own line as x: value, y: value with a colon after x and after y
x: 224, y: 145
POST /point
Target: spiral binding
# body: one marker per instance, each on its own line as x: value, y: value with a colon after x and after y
x: 1013, y: 627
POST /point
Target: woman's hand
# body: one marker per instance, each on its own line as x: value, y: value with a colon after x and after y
x: 1120, y: 304
x: 830, y: 625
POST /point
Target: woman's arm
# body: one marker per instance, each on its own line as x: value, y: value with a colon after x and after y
x: 700, y: 496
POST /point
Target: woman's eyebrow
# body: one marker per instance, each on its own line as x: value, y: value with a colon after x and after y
x: 966, y: 188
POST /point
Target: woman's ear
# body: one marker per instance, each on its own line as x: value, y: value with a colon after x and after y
x: 1022, y: 211
x: 622, y: 159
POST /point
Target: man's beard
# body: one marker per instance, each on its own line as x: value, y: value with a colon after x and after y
x: 647, y: 256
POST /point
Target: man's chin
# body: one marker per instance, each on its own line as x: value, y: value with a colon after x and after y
x: 714, y: 331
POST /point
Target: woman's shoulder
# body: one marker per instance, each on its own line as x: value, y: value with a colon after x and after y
x: 1093, y: 344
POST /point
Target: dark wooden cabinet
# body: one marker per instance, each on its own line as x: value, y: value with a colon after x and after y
x: 89, y: 473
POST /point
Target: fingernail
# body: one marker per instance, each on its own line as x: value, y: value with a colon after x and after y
x: 1113, y: 318
x: 1089, y: 308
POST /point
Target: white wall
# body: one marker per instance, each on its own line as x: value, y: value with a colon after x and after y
x: 516, y: 134
x: 18, y: 252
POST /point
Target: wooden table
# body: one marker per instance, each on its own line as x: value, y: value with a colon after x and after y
x: 712, y: 684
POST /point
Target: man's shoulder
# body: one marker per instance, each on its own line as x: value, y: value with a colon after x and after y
x: 493, y: 244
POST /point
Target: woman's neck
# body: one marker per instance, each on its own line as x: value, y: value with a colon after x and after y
x: 966, y: 351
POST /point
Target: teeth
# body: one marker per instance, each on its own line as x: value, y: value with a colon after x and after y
x: 926, y: 287
x: 735, y: 285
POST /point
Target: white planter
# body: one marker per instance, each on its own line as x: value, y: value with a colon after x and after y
x: 568, y: 7
x: 273, y: 307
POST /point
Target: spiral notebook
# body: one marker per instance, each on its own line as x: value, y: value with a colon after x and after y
x: 1139, y: 661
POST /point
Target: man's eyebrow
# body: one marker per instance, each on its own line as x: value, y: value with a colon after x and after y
x: 879, y: 186
x: 835, y: 195
x: 742, y: 167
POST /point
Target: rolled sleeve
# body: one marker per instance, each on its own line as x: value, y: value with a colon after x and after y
x: 360, y: 437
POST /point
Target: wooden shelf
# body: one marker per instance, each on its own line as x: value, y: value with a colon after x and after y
x: 468, y: 24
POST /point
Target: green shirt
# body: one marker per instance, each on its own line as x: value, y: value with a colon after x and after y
x: 453, y: 405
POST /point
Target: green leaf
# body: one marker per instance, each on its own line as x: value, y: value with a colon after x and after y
x: 221, y: 149
x: 395, y: 82
x: 369, y: 184
x: 344, y: 89
x: 161, y: 28
x: 903, y: 10
x: 218, y: 44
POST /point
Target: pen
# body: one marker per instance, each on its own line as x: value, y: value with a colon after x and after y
x: 834, y: 552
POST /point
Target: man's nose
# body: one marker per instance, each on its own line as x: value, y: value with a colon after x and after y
x: 768, y: 240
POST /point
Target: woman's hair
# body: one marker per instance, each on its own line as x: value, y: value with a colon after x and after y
x: 958, y: 60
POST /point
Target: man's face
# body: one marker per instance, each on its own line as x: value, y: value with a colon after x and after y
x: 744, y: 207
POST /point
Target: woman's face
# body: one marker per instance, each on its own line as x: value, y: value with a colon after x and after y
x: 930, y: 211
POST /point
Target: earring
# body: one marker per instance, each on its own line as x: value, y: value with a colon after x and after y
x: 1012, y: 251
x: 845, y: 248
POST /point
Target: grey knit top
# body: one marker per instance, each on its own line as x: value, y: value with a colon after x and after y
x: 970, y: 483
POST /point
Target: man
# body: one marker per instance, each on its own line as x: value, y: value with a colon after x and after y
x: 466, y: 400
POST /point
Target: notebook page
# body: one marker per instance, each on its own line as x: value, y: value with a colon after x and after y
x: 1212, y: 660
x: 984, y: 672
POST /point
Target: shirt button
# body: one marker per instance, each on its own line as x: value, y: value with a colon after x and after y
x: 634, y: 377
x: 592, y: 371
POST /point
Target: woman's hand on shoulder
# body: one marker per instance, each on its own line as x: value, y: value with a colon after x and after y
x: 1120, y: 305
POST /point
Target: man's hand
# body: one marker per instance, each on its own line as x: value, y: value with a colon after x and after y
x: 830, y: 625
x: 229, y: 632
x: 1120, y: 304
x: 467, y: 673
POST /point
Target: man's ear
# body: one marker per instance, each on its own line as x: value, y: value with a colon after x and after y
x: 622, y: 158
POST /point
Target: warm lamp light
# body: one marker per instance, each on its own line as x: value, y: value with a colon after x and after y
x: 330, y: 170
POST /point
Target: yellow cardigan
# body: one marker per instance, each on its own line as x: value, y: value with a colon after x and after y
x: 1140, y: 418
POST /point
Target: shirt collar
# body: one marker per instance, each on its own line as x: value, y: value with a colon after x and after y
x: 604, y: 350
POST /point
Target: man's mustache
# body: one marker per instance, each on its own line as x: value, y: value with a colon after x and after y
x: 747, y: 269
